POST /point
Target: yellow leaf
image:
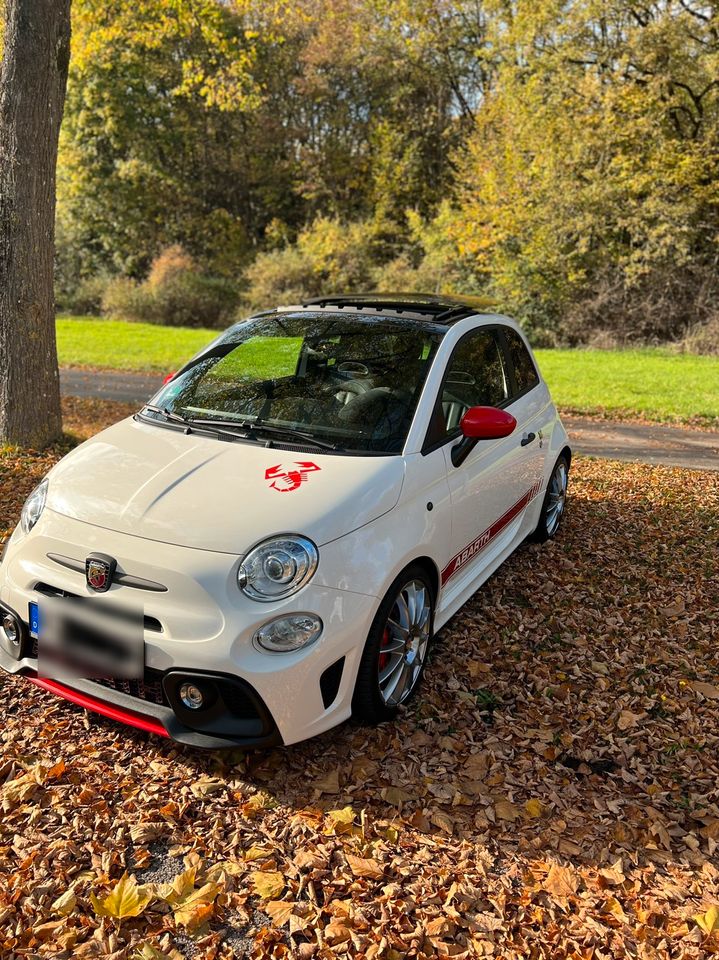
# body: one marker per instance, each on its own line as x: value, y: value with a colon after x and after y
x: 191, y: 905
x: 268, y: 884
x: 534, y: 807
x: 65, y: 903
x: 256, y: 853
x: 340, y: 821
x: 709, y: 921
x: 364, y: 868
x: 613, y: 906
x: 148, y: 951
x: 345, y: 815
x: 127, y: 899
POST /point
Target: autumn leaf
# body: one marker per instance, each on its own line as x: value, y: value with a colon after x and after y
x: 707, y: 690
x: 534, y: 807
x: 191, y: 905
x: 330, y: 783
x: 395, y: 795
x: 364, y: 868
x: 708, y: 921
x: 127, y: 899
x: 561, y: 881
x: 504, y: 810
x: 279, y: 911
x: 268, y: 884
x: 65, y: 904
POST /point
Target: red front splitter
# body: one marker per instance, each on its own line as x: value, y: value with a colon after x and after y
x: 106, y: 709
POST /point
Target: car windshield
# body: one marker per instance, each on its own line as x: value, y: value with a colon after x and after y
x: 349, y: 382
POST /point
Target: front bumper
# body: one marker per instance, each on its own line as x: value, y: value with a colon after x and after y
x: 200, y: 626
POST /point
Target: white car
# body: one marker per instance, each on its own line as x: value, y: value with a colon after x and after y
x: 288, y: 522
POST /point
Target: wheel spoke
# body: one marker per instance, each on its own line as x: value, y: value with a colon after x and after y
x: 398, y: 628
x: 389, y: 671
x: 395, y: 679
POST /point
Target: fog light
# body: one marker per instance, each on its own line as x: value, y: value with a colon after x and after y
x: 191, y: 696
x: 10, y: 627
x: 289, y: 633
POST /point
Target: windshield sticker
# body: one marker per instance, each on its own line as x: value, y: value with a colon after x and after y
x: 285, y: 479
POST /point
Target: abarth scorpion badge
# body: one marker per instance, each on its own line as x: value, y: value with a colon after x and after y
x: 99, y: 571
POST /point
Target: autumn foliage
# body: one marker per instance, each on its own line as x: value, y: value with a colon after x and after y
x: 561, y: 158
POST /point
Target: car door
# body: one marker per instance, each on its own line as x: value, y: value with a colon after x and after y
x: 490, y: 490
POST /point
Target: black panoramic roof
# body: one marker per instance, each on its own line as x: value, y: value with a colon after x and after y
x: 441, y: 308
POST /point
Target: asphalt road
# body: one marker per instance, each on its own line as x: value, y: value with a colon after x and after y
x: 613, y: 440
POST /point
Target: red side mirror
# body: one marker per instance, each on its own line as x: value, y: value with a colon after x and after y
x: 487, y: 423
x: 168, y: 377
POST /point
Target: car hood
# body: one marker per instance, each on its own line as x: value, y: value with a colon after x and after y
x: 211, y: 494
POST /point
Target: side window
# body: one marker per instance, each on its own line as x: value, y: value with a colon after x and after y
x: 525, y: 372
x: 476, y: 376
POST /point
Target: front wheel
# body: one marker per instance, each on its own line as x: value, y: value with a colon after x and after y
x: 396, y: 648
x: 555, y: 500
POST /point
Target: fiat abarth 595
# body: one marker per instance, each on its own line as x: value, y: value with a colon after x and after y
x: 268, y: 546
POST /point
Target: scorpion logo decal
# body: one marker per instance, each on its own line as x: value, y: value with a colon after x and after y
x: 285, y: 479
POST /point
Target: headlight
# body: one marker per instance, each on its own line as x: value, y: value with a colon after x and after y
x: 289, y: 633
x: 34, y: 505
x: 277, y: 568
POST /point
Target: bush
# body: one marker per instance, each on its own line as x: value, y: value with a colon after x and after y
x: 328, y: 257
x: 702, y: 337
x: 175, y: 294
x: 86, y: 298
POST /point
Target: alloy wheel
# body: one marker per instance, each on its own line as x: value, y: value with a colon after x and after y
x: 557, y: 497
x: 404, y: 643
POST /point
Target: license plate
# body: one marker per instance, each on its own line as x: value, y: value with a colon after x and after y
x: 34, y: 619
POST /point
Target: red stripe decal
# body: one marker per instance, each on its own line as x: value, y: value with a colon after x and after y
x: 99, y: 706
x: 486, y: 536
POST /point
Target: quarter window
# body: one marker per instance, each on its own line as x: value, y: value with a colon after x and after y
x: 476, y: 376
x: 525, y: 373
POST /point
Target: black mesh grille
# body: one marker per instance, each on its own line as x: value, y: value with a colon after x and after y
x: 149, y: 689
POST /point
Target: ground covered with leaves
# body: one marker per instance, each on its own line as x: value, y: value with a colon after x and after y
x: 553, y: 791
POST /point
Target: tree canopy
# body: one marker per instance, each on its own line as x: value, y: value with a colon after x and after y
x: 560, y: 157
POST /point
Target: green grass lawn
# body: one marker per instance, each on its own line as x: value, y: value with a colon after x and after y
x: 651, y: 383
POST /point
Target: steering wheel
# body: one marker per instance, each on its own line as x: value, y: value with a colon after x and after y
x: 358, y: 408
x: 352, y: 369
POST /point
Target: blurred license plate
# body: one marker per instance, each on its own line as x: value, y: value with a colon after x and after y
x: 34, y: 619
x: 79, y: 637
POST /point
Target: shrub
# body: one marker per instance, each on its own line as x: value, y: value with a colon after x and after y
x: 86, y: 298
x: 175, y: 294
x: 702, y: 337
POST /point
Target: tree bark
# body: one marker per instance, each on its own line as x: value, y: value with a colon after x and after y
x: 33, y: 77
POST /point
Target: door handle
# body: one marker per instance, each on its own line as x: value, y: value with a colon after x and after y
x: 527, y: 438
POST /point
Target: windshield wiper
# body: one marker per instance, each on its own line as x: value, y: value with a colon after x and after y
x: 252, y: 426
x: 189, y: 424
x: 167, y: 414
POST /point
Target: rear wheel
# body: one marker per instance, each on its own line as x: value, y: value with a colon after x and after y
x: 555, y: 500
x: 396, y: 648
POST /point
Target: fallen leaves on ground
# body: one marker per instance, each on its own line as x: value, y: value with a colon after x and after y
x: 553, y: 792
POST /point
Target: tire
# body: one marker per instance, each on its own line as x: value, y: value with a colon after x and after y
x: 554, y: 502
x: 399, y: 621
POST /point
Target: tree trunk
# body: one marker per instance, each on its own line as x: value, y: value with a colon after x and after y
x: 33, y: 76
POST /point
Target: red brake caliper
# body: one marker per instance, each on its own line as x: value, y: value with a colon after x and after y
x: 384, y: 657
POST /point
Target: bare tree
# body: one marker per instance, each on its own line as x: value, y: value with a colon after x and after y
x: 33, y: 77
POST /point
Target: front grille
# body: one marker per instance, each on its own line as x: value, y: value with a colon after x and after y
x: 47, y: 590
x: 149, y: 689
